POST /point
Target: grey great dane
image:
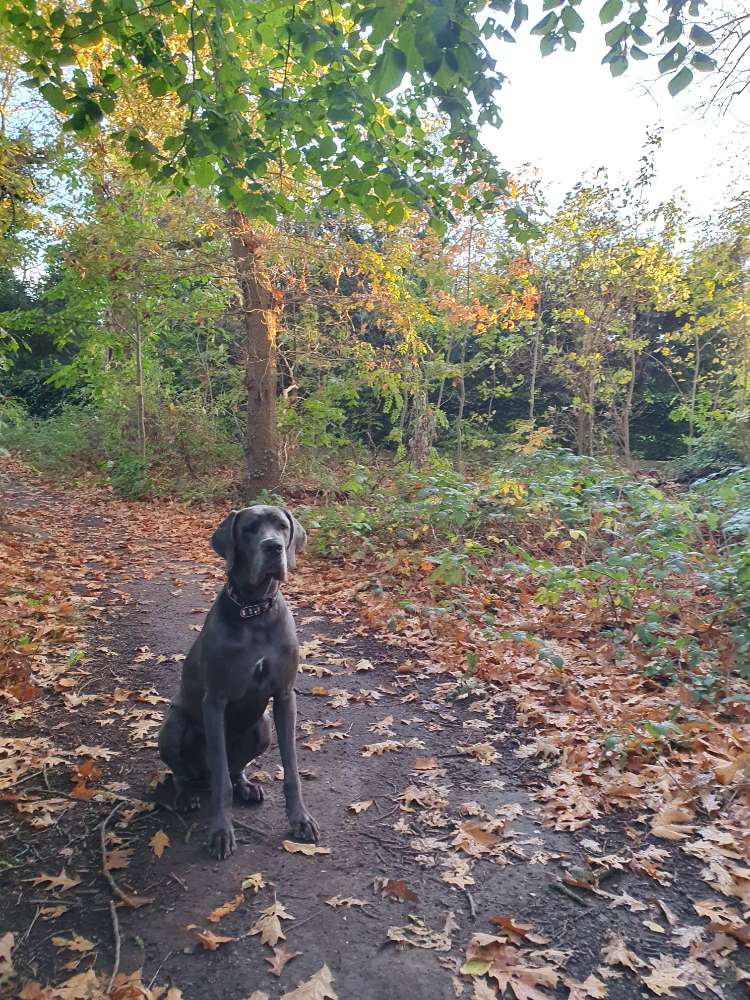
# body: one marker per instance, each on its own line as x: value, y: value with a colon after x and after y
x: 246, y: 655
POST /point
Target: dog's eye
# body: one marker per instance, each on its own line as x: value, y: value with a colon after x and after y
x: 251, y: 529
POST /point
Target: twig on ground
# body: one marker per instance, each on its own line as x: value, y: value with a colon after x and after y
x: 179, y: 881
x: 116, y: 935
x: 120, y: 893
x: 160, y: 967
x: 251, y: 829
x: 565, y: 891
x: 389, y: 844
x: 472, y: 904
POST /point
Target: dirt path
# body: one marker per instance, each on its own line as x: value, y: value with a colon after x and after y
x: 456, y: 831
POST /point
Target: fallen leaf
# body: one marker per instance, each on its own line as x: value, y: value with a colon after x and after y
x: 211, y: 941
x: 254, y: 882
x: 616, y: 952
x: 77, y: 943
x: 295, y: 847
x: 345, y: 901
x: 360, y: 807
x: 665, y: 976
x: 268, y: 924
x: 61, y: 881
x: 396, y: 888
x: 425, y: 763
x: 281, y: 956
x: 229, y: 907
x: 159, y: 842
x: 319, y: 987
x: 7, y: 942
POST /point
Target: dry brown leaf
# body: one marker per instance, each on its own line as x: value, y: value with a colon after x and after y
x: 268, y: 924
x: 616, y: 952
x: 376, y: 749
x: 7, y: 943
x: 672, y: 822
x: 258, y: 995
x: 77, y: 943
x: 396, y: 888
x: 159, y: 842
x: 517, y: 932
x: 61, y: 881
x: 319, y: 987
x: 418, y: 935
x: 425, y: 763
x: 590, y: 987
x: 360, y: 807
x: 119, y: 857
x: 229, y: 907
x: 665, y: 976
x: 345, y: 901
x: 254, y: 882
x: 295, y: 847
x: 281, y: 956
x: 211, y: 941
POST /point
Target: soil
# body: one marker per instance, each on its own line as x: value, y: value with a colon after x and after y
x: 148, y: 616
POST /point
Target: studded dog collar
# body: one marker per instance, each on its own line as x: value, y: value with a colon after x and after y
x: 251, y: 610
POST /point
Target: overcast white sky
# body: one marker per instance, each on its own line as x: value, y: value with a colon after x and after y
x: 566, y: 115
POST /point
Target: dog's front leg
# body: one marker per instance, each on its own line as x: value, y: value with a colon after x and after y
x: 302, y: 824
x: 221, y: 834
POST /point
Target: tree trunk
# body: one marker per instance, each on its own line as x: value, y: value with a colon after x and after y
x: 139, y: 401
x: 534, y: 372
x: 694, y: 391
x: 260, y: 310
x: 627, y: 409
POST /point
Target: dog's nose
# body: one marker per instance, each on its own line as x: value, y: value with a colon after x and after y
x: 272, y: 547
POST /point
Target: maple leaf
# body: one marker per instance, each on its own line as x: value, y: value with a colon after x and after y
x: 632, y: 904
x: 295, y: 847
x: 396, y: 888
x: 281, y: 956
x: 616, y: 952
x: 665, y: 976
x: 268, y: 924
x: 363, y: 665
x: 159, y: 842
x: 229, y: 907
x: 360, y: 807
x: 211, y: 941
x: 61, y: 881
x: 318, y: 987
x: 254, y: 882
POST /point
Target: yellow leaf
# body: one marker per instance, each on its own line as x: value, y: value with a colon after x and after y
x: 159, y: 842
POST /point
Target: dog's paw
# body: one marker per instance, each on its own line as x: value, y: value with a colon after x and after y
x: 186, y: 800
x: 304, y: 828
x: 248, y: 791
x: 222, y: 843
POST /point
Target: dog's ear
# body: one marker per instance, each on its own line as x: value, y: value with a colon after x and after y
x: 222, y: 540
x: 297, y: 540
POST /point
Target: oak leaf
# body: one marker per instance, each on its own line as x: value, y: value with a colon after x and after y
x: 268, y: 924
x: 360, y: 807
x: 319, y: 987
x: 281, y: 956
x: 295, y: 847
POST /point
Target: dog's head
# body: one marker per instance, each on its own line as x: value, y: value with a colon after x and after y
x: 259, y: 543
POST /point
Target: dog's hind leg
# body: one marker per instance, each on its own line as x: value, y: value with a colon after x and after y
x: 183, y: 750
x: 243, y: 747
